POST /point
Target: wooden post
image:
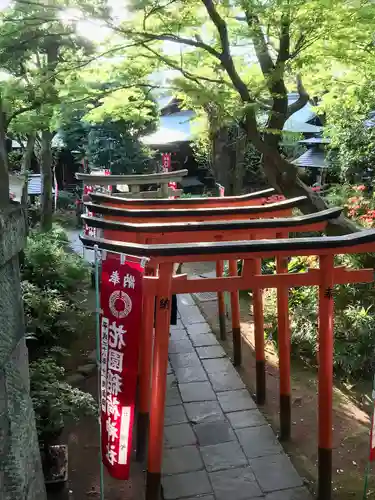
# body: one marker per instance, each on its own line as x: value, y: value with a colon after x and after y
x: 260, y: 365
x: 325, y: 382
x: 283, y: 335
x: 236, y: 324
x: 159, y: 382
x: 221, y: 303
x: 145, y: 374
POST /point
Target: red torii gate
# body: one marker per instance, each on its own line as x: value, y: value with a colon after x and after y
x: 201, y: 210
x: 165, y: 284
x: 173, y: 216
x: 224, y: 231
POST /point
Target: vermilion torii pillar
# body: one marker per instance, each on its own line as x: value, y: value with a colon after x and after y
x: 166, y: 284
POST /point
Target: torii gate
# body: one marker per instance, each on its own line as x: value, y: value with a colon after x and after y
x: 165, y: 284
x: 224, y: 231
x: 253, y: 206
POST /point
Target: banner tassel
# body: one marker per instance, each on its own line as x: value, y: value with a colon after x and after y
x: 98, y: 360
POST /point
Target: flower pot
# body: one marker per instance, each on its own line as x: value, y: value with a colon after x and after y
x: 55, y: 466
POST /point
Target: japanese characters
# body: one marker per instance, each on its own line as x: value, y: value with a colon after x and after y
x: 121, y: 309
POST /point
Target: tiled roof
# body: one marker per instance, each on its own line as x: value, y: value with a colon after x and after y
x: 316, y: 140
x: 312, y: 158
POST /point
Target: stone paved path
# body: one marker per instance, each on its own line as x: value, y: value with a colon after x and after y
x: 218, y: 446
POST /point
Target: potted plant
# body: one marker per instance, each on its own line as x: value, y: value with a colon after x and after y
x: 54, y: 401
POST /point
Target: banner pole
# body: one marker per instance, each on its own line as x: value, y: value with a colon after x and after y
x: 98, y: 361
x: 368, y: 467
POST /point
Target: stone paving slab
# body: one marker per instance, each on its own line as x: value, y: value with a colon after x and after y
x: 217, y: 444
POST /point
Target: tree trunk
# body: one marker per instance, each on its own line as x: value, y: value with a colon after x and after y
x: 221, y: 161
x: 46, y: 172
x: 4, y: 174
x: 238, y: 170
x: 282, y: 175
x: 26, y: 165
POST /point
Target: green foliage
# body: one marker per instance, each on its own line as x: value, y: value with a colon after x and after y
x: 354, y: 325
x: 353, y: 153
x: 54, y: 400
x: 48, y: 264
x: 110, y: 140
x: 48, y: 316
x: 111, y: 144
x: 54, y: 319
x: 66, y: 200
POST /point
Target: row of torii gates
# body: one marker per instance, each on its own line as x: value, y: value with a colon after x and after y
x: 248, y: 228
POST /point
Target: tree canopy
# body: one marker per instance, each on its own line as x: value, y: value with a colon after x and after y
x: 234, y: 62
x: 243, y: 57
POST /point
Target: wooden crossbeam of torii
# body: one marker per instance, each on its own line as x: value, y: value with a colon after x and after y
x: 257, y: 197
x: 251, y: 252
x: 200, y: 214
x: 135, y: 181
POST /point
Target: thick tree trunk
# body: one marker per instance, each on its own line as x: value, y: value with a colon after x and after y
x: 228, y: 159
x: 46, y: 172
x: 239, y: 167
x: 221, y: 162
x: 283, y: 176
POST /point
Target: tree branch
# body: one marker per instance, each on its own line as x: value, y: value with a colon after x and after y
x: 302, y: 100
x: 221, y: 26
x: 284, y: 40
x: 154, y: 10
x: 261, y: 49
x: 225, y: 56
x: 187, y: 74
x: 20, y: 111
x: 167, y: 37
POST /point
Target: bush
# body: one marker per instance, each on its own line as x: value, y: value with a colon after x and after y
x: 55, y: 400
x: 33, y: 215
x: 48, y: 264
x: 358, y: 202
x: 49, y: 326
x: 354, y: 324
x: 66, y: 200
x: 51, y: 274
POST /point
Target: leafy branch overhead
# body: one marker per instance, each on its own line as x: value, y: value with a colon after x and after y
x: 243, y: 58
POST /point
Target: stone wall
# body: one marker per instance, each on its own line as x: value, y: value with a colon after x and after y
x: 21, y: 476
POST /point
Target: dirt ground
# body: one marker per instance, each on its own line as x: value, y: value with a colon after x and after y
x: 351, y: 412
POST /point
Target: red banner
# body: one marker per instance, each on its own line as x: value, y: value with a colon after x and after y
x: 372, y: 437
x: 166, y: 161
x: 372, y: 433
x: 108, y: 172
x: 121, y: 312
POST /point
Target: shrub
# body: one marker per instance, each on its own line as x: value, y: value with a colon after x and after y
x: 55, y: 400
x: 48, y: 264
x: 354, y: 324
x: 358, y: 202
x: 49, y: 326
x: 66, y: 200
